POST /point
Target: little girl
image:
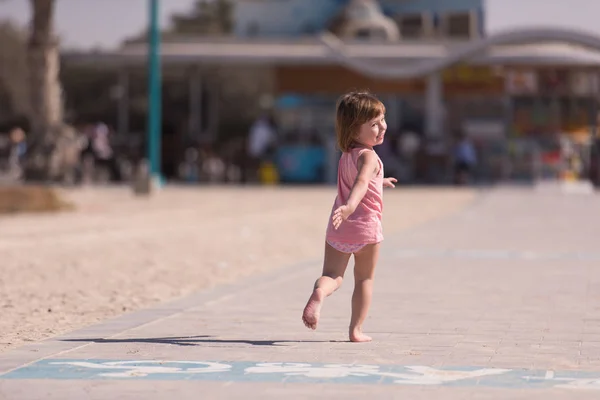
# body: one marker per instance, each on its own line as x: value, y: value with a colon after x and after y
x: 355, y: 223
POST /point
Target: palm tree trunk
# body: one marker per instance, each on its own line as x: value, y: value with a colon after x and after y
x: 45, y: 88
x: 44, y: 63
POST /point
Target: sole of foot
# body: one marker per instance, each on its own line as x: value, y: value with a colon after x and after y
x: 312, y: 311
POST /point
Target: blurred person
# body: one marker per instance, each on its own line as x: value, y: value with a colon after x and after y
x: 233, y: 158
x: 354, y: 227
x: 408, y: 147
x: 101, y: 142
x: 465, y: 159
x: 213, y: 167
x: 260, y: 141
x: 103, y: 151
x: 390, y: 156
x: 189, y: 169
x: 87, y: 159
x: 17, y: 152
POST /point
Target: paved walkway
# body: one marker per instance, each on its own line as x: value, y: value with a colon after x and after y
x: 501, y: 301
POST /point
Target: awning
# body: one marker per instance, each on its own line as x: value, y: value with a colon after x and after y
x: 562, y: 47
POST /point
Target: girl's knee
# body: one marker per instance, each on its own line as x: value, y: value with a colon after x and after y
x: 366, y: 280
x: 339, y: 280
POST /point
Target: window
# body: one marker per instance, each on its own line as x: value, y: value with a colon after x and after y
x: 363, y: 33
x: 370, y: 33
x: 459, y: 25
x: 411, y: 26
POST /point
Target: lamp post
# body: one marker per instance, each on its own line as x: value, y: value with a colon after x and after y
x: 154, y: 92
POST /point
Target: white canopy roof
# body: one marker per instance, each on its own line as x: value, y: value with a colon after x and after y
x: 540, y: 46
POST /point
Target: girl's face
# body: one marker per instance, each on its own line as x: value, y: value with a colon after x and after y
x: 372, y: 132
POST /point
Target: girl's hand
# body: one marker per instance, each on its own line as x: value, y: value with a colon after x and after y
x: 340, y: 215
x: 389, y: 182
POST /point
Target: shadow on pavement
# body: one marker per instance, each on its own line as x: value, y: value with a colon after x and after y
x: 198, y: 340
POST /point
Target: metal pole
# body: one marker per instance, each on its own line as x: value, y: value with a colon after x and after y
x: 213, y: 117
x: 123, y: 111
x: 195, y: 105
x: 592, y: 148
x: 154, y: 89
x: 434, y: 107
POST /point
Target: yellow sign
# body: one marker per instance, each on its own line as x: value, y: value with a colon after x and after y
x: 469, y: 74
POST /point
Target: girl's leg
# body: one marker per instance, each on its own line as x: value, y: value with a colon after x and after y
x: 364, y: 271
x: 334, y: 266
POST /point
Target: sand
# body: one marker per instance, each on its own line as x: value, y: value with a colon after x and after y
x: 117, y: 253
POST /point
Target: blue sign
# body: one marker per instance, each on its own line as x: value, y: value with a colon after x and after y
x: 301, y: 163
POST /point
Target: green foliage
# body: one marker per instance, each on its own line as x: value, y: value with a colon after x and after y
x: 14, y: 95
x: 206, y: 18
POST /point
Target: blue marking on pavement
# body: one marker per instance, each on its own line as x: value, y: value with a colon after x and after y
x: 103, y: 369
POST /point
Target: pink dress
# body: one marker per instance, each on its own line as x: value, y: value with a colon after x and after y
x: 364, y: 225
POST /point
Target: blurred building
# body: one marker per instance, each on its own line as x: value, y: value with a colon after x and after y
x: 514, y: 98
x: 416, y: 18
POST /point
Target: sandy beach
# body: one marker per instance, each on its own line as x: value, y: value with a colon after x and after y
x: 117, y: 253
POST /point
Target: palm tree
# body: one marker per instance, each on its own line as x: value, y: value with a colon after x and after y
x: 46, y: 108
x: 49, y: 136
x: 44, y: 67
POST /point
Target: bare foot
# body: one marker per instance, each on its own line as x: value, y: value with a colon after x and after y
x: 310, y: 316
x: 357, y: 336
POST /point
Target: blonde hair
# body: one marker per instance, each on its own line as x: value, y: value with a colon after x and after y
x: 354, y: 109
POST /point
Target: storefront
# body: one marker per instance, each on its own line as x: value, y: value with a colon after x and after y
x: 553, y: 113
x: 484, y: 90
x: 306, y: 96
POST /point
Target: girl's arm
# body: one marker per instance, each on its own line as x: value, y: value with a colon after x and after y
x: 367, y: 166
